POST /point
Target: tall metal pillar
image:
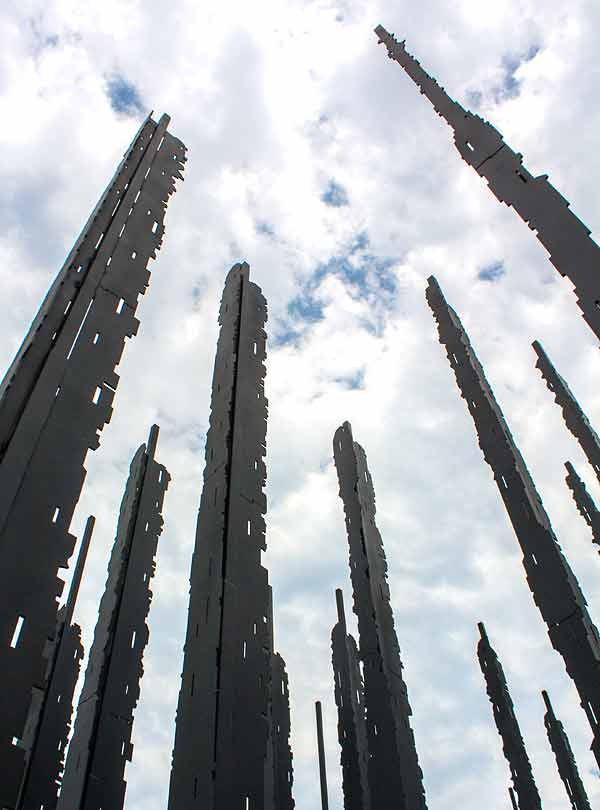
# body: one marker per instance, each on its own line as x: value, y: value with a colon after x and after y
x: 551, y: 581
x: 222, y: 730
x: 565, y: 759
x: 54, y: 400
x: 101, y: 744
x: 395, y: 777
x: 507, y: 724
x: 574, y: 417
x: 535, y: 200
x: 581, y: 428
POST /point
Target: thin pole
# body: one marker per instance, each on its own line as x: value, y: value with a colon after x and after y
x: 78, y: 572
x: 321, y: 747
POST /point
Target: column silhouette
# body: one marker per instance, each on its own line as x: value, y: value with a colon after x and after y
x: 395, y: 778
x: 565, y: 759
x: 223, y: 742
x: 535, y: 200
x: 507, y: 724
x: 553, y: 585
x: 101, y: 745
x: 56, y: 397
x: 350, y: 702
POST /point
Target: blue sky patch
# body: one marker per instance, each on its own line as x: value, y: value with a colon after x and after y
x: 265, y: 229
x: 492, y: 272
x: 368, y: 277
x: 354, y: 382
x: 511, y: 86
x: 335, y: 195
x: 123, y: 96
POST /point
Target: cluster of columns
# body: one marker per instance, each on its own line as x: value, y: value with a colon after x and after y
x: 54, y: 401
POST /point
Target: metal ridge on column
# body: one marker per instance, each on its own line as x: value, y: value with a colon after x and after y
x: 222, y: 730
x: 535, y: 200
x: 551, y: 581
x: 395, y: 777
x: 565, y: 759
x: 55, y: 398
x: 507, y: 724
x: 101, y: 746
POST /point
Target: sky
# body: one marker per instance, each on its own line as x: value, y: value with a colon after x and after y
x: 314, y: 158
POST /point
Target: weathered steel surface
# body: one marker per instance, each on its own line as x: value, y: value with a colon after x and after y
x: 49, y: 721
x: 55, y: 398
x: 555, y: 590
x: 507, y: 724
x: 350, y: 702
x: 321, y: 756
x: 575, y: 419
x: 282, y: 752
x: 535, y: 200
x: 584, y: 502
x: 101, y: 744
x: 565, y: 759
x: 395, y: 778
x: 222, y: 733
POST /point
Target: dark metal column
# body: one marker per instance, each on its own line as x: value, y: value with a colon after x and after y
x: 507, y: 724
x: 49, y: 721
x: 280, y: 718
x: 580, y: 427
x: 101, y: 744
x: 584, y: 502
x: 350, y: 702
x: 395, y: 778
x: 54, y: 400
x: 575, y: 419
x: 225, y: 685
x: 321, y: 754
x: 535, y: 200
x: 565, y: 759
x: 554, y: 588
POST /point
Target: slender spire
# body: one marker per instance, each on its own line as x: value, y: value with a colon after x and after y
x: 513, y: 799
x: 535, y: 200
x: 394, y: 775
x: 49, y: 721
x: 507, y: 724
x: 350, y: 702
x: 584, y: 502
x: 101, y: 744
x: 54, y: 402
x: 225, y: 685
x: 321, y: 753
x: 575, y: 419
x: 554, y: 588
x: 565, y: 759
